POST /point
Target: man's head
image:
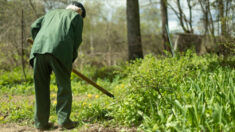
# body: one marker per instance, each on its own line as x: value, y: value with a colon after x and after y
x: 78, y: 7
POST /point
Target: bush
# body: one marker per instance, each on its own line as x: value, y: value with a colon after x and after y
x: 176, y: 94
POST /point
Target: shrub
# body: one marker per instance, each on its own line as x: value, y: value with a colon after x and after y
x: 174, y: 94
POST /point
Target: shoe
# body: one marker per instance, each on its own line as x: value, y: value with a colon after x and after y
x: 70, y: 125
x: 47, y: 127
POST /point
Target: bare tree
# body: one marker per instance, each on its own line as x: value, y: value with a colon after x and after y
x: 13, y: 37
x: 207, y: 17
x: 185, y: 23
x: 133, y: 27
x: 34, y: 9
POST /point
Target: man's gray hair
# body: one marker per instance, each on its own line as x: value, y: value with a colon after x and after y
x: 73, y: 7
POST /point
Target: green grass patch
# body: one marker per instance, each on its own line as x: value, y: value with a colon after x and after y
x: 187, y: 92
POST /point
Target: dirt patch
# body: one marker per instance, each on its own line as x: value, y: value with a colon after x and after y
x: 15, y: 128
x: 99, y: 128
x: 18, y: 128
x: 16, y: 98
x: 88, y: 128
x: 31, y: 98
x: 79, y: 98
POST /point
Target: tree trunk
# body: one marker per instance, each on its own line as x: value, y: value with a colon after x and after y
x: 185, y: 23
x: 181, y: 17
x: 212, y: 28
x: 133, y: 33
x: 22, y: 44
x: 228, y: 7
x: 190, y: 15
x: 205, y: 11
x: 165, y: 39
x: 221, y: 16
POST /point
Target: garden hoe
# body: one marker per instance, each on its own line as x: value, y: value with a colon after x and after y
x: 85, y: 78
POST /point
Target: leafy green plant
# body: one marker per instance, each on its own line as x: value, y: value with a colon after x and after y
x: 184, y: 93
x: 174, y: 94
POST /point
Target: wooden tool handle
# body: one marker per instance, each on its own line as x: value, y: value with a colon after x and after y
x: 92, y: 83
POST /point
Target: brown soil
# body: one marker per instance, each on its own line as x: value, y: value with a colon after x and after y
x: 98, y: 128
x: 16, y: 98
x: 15, y: 128
x: 89, y: 128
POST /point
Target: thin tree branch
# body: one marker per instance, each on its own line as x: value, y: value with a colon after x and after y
x: 34, y: 8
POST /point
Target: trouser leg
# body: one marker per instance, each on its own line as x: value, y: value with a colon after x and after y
x: 42, y: 73
x: 64, y: 94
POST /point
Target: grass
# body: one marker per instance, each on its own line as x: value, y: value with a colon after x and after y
x: 185, y: 93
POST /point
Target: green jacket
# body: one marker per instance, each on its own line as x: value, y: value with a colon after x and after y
x: 59, y: 33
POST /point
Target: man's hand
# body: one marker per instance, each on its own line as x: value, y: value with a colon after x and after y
x: 30, y: 41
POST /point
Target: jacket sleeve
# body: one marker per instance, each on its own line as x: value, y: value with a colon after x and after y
x: 35, y: 27
x: 78, y: 28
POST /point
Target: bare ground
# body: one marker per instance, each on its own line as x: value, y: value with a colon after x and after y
x: 15, y: 128
x: 89, y: 128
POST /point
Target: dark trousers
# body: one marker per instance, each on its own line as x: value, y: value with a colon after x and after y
x: 44, y: 64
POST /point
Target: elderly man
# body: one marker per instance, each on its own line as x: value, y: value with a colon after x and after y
x: 57, y: 36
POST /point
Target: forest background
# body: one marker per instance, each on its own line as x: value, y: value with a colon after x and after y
x: 105, y: 39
